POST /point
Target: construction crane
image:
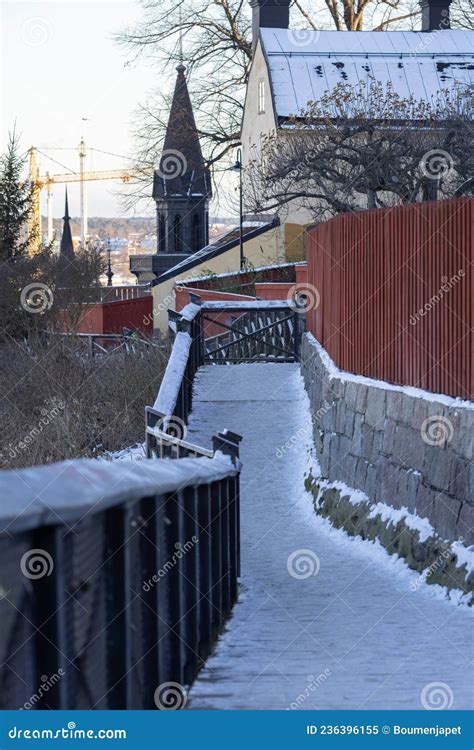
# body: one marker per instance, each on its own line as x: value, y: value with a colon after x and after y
x: 38, y: 182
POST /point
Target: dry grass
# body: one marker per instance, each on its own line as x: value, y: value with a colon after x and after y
x: 57, y: 404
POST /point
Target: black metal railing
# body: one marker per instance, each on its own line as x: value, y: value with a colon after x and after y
x: 115, y: 578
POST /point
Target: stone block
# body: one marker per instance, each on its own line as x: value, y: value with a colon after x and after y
x: 437, y: 467
x: 459, y: 485
x: 419, y: 413
x: 340, y: 419
x: 357, y: 435
x: 351, y: 394
x: 425, y: 498
x: 412, y: 489
x: 394, y: 405
x: 407, y: 409
x: 367, y: 441
x: 465, y: 525
x: 371, y: 482
x: 349, y: 422
x: 361, y: 400
x: 388, y: 439
x: 462, y: 441
x: 376, y: 447
x: 375, y: 412
x: 338, y: 387
x: 361, y: 474
x: 445, y: 516
x: 408, y: 449
x: 350, y: 468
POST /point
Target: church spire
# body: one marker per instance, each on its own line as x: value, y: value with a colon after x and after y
x: 66, y: 249
x: 182, y: 170
x: 182, y: 183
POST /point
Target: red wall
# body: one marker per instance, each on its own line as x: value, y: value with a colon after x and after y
x: 374, y: 271
x: 274, y: 290
x: 112, y: 317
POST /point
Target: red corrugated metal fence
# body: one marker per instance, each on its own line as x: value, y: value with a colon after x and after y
x: 395, y: 289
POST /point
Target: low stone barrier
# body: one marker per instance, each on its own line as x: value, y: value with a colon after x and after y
x: 400, y: 446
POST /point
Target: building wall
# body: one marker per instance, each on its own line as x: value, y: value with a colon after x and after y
x: 260, y: 251
x: 255, y: 126
x: 409, y: 449
x: 113, y: 317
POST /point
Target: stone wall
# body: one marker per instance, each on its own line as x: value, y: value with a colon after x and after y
x: 404, y: 447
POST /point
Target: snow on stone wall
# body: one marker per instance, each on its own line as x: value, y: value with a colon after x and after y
x: 400, y: 446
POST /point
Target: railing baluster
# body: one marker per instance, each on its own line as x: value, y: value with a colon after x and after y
x: 116, y: 636
x: 216, y: 560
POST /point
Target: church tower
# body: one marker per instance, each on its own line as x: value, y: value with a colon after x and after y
x: 66, y: 248
x: 181, y: 184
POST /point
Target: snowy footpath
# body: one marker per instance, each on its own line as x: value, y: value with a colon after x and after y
x: 323, y: 621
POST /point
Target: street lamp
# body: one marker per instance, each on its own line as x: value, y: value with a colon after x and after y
x: 238, y: 168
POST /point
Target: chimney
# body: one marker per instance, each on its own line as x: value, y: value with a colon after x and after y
x: 269, y: 14
x: 435, y: 15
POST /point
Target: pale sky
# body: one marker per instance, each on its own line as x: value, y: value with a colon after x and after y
x: 60, y: 64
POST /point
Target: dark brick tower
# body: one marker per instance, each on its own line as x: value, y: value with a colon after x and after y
x: 181, y: 185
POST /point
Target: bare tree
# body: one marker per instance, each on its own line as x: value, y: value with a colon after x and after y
x: 213, y: 39
x: 365, y: 147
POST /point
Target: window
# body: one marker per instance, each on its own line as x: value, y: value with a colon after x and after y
x: 177, y: 232
x: 196, y: 232
x: 162, y: 234
x: 261, y: 96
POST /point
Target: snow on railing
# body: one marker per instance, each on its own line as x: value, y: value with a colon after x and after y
x: 120, y: 577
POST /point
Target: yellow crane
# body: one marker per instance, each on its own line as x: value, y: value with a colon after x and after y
x: 38, y: 182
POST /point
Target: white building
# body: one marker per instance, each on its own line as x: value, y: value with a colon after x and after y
x: 292, y: 67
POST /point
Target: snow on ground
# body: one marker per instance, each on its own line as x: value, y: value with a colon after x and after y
x: 324, y: 620
x: 132, y: 453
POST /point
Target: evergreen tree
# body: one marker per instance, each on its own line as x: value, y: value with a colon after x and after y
x: 16, y: 196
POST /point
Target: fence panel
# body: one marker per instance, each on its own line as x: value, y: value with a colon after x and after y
x: 395, y: 294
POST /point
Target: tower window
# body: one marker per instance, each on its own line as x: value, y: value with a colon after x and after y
x: 196, y: 233
x: 261, y: 96
x: 178, y: 234
x: 162, y: 234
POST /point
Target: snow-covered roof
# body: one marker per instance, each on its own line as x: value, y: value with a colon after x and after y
x: 221, y: 245
x: 304, y: 64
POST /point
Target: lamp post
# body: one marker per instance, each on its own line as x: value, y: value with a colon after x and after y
x: 109, y: 273
x: 238, y: 168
